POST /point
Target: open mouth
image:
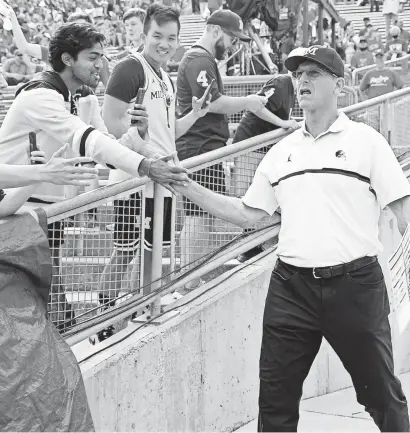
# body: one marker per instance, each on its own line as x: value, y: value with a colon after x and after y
x: 305, y: 92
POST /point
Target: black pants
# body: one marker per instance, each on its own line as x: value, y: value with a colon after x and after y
x: 374, y: 4
x: 351, y: 312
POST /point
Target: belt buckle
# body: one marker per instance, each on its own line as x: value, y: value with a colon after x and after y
x: 314, y: 274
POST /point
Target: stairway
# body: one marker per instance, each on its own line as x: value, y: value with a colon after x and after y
x: 355, y: 14
x: 192, y: 28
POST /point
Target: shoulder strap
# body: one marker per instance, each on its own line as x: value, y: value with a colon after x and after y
x: 49, y: 80
x: 140, y: 59
x: 42, y: 219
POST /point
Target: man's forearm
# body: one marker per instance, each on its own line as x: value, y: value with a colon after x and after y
x: 230, y: 209
x: 14, y: 199
x: 268, y: 116
x: 401, y: 209
x: 14, y: 176
x: 106, y: 150
x: 228, y: 104
x: 182, y: 125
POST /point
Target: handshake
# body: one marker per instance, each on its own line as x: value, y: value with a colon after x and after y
x: 166, y: 171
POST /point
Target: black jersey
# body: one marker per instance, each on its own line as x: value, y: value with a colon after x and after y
x: 197, y: 69
x: 281, y: 98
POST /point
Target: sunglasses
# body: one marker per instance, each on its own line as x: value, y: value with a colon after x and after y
x: 234, y: 39
x: 312, y: 74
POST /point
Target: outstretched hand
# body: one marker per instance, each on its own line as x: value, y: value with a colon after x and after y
x: 61, y: 171
x: 164, y: 171
x: 200, y: 107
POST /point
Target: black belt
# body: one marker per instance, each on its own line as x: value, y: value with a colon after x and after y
x: 334, y: 271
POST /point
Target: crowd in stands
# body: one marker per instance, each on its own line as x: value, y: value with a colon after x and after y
x: 39, y: 19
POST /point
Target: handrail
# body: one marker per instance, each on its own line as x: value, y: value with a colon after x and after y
x: 367, y: 68
x: 73, y: 205
x: 130, y: 306
x: 103, y: 195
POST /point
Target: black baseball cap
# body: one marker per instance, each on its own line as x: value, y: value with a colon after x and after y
x: 230, y: 23
x: 324, y: 56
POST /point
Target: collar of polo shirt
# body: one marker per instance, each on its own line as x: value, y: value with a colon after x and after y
x: 337, y: 126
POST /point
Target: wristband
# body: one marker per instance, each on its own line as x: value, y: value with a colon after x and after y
x: 150, y: 161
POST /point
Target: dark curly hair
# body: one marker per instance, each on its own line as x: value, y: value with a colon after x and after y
x: 72, y: 38
x: 161, y: 15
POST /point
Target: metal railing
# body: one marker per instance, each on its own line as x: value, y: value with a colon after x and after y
x: 234, y: 86
x: 400, y: 64
x: 87, y: 297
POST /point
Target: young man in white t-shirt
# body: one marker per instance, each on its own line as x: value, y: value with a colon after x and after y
x: 144, y: 70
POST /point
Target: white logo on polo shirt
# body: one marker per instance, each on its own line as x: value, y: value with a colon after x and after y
x: 311, y: 51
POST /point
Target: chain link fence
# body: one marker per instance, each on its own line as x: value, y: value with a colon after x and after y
x: 398, y: 115
x: 97, y: 258
x: 96, y: 245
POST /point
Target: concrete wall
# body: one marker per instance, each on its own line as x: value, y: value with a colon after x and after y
x: 198, y: 371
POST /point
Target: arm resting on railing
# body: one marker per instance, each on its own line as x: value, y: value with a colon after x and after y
x: 230, y: 104
x: 268, y: 116
x: 230, y: 209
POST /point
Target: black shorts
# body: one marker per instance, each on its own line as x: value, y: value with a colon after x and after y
x: 56, y: 234
x: 128, y: 223
x: 213, y: 178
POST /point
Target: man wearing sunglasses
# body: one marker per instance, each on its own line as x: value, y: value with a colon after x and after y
x: 330, y: 178
x: 197, y: 71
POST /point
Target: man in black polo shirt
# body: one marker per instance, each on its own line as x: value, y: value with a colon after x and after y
x: 280, y: 95
x: 197, y: 70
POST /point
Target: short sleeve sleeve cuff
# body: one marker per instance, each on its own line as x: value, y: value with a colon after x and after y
x: 261, y: 194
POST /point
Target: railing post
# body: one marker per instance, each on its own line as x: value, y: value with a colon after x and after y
x: 172, y: 248
x: 158, y: 227
x: 385, y: 120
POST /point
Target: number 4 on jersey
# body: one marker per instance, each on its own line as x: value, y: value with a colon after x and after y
x: 202, y: 80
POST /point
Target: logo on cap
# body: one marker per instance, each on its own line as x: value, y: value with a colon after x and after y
x: 240, y: 24
x: 311, y: 51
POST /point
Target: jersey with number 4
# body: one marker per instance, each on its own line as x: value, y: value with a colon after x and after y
x: 197, y: 70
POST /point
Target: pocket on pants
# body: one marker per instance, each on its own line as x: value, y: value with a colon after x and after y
x: 283, y: 272
x: 370, y: 276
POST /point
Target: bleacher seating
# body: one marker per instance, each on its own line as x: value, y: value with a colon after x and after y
x: 355, y: 14
x: 192, y: 27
